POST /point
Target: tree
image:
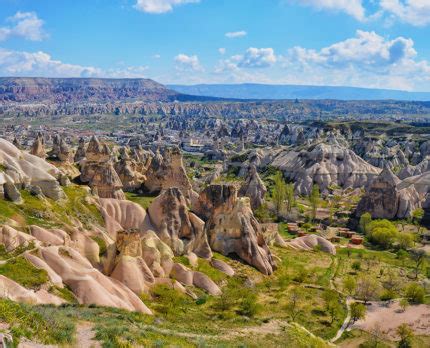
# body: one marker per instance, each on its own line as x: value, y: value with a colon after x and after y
x: 358, y: 311
x: 415, y: 293
x: 279, y: 193
x: 382, y: 233
x: 364, y: 222
x: 367, y: 288
x: 406, y: 336
x: 290, y: 198
x: 349, y: 285
x: 294, y: 305
x: 418, y: 256
x: 417, y: 216
x: 314, y: 200
x: 332, y: 305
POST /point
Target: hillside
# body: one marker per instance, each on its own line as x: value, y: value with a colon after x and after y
x: 78, y: 90
x: 261, y: 91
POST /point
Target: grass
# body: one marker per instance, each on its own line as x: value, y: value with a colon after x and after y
x: 24, y: 273
x: 49, y: 213
x: 143, y: 201
x: 36, y: 323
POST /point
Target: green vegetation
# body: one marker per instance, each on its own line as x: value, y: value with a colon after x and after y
x: 36, y: 323
x: 24, y: 273
x: 143, y: 201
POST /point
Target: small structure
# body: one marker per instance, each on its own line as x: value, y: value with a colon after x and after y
x: 356, y: 240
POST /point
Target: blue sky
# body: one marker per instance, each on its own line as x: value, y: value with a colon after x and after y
x: 367, y: 43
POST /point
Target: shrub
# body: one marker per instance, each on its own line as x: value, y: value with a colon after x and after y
x: 382, y: 233
x: 415, y: 293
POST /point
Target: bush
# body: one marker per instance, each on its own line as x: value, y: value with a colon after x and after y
x: 415, y: 293
x: 356, y: 265
x: 249, y: 306
x: 382, y: 233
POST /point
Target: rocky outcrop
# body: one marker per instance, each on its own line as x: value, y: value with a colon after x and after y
x: 130, y: 171
x: 80, y: 153
x: 167, y: 170
x: 88, y: 284
x: 327, y: 165
x: 38, y: 147
x: 231, y: 227
x: 60, y: 150
x: 98, y: 171
x: 384, y: 200
x: 253, y: 188
x: 19, y: 169
x: 310, y: 242
x: 177, y: 227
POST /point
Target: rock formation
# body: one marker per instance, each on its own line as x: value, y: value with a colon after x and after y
x: 326, y: 165
x: 60, y: 150
x: 19, y: 169
x: 98, y: 171
x: 384, y: 200
x: 177, y: 227
x: 167, y: 170
x: 310, y: 242
x: 129, y: 171
x: 254, y: 188
x: 38, y: 147
x: 80, y: 153
x: 231, y: 227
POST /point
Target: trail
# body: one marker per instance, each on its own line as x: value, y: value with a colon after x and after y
x: 345, y: 322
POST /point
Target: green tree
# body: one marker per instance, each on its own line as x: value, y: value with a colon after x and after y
x: 382, y: 233
x: 314, y: 200
x: 279, y: 193
x: 358, y: 311
x: 349, y: 285
x: 418, y: 256
x: 364, y: 222
x: 417, y: 216
x: 290, y: 198
x: 415, y: 293
x: 406, y: 336
x: 332, y: 305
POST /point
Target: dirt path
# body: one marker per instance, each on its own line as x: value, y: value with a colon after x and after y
x: 345, y: 322
x: 85, y: 336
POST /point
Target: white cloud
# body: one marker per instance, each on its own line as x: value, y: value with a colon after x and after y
x: 354, y: 8
x: 191, y: 63
x: 19, y: 63
x: 236, y: 34
x: 160, y: 6
x: 363, y: 60
x: 415, y: 12
x: 256, y: 58
x: 222, y: 50
x: 23, y: 24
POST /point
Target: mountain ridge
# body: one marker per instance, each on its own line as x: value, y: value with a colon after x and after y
x: 255, y: 91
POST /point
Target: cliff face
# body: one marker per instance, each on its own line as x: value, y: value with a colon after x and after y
x: 58, y: 90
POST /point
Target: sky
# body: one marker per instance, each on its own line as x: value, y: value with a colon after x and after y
x: 362, y: 43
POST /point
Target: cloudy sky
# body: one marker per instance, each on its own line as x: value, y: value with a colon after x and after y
x: 366, y: 43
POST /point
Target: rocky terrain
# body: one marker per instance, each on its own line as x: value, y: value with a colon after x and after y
x: 216, y: 230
